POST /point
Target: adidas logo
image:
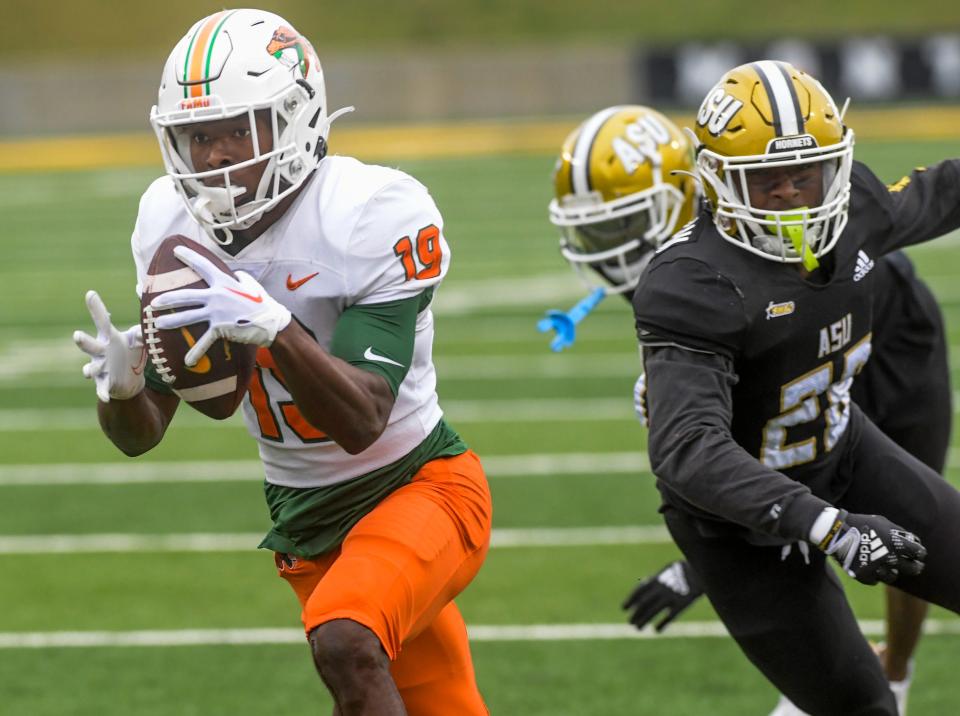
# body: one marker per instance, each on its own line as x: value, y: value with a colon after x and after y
x: 871, y: 548
x: 864, y: 264
x: 674, y: 579
x: 683, y: 234
x: 639, y: 405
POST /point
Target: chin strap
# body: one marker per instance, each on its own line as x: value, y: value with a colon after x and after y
x: 207, y: 200
x: 215, y: 234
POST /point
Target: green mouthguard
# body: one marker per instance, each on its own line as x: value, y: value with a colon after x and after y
x: 794, y: 232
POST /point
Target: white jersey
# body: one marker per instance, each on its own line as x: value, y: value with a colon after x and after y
x: 341, y: 243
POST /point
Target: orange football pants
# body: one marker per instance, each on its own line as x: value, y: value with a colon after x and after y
x: 397, y: 573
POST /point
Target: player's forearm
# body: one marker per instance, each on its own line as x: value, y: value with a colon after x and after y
x: 348, y: 404
x: 135, y: 425
x: 693, y: 452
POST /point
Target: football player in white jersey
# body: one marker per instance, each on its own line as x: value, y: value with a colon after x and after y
x: 381, y: 514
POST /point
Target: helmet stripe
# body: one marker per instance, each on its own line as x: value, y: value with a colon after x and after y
x: 213, y: 39
x: 795, y: 101
x: 198, y: 50
x: 787, y: 119
x: 186, y: 65
x: 580, y: 162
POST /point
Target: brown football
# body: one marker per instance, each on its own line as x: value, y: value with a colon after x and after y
x: 217, y: 383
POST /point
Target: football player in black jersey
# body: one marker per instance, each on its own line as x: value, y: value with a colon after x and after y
x: 754, y: 319
x: 603, y: 186
x: 905, y: 390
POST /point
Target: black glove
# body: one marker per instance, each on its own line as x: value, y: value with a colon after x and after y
x: 673, y: 588
x: 872, y: 549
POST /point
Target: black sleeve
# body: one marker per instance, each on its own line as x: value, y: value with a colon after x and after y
x: 686, y: 302
x: 921, y: 206
x: 693, y: 451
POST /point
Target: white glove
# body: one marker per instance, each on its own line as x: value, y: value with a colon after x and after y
x: 238, y: 309
x: 116, y: 359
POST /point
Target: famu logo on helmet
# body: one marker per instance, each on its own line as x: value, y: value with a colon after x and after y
x: 285, y: 38
x: 791, y: 144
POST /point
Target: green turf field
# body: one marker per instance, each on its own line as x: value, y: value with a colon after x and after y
x: 114, y: 555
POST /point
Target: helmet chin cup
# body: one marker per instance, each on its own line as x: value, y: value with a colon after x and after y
x: 213, y: 200
x: 210, y: 204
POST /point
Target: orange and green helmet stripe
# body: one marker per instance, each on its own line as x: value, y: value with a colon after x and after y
x: 196, y: 67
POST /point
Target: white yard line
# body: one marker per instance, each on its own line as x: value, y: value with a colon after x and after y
x: 248, y: 541
x: 25, y: 373
x: 580, y: 536
x: 576, y: 364
x: 477, y: 633
x: 457, y: 411
x: 497, y: 467
x: 557, y: 289
x: 126, y: 473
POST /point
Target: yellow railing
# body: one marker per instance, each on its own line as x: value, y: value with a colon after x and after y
x: 424, y: 141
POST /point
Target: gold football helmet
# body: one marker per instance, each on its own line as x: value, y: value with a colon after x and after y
x: 616, y: 194
x: 769, y: 115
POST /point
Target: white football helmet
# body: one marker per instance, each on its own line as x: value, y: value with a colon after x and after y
x: 622, y: 185
x: 231, y: 64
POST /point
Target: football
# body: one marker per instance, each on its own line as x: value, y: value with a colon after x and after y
x: 217, y: 383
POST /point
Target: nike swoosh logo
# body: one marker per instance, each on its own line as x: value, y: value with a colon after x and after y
x: 255, y: 299
x: 294, y: 285
x: 370, y: 355
x: 203, y: 365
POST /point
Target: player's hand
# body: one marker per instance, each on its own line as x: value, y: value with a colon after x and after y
x: 237, y: 309
x: 672, y: 589
x: 117, y: 358
x: 872, y: 549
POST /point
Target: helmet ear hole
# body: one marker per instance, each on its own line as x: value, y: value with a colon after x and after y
x: 311, y: 92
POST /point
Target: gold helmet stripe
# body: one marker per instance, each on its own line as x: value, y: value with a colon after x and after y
x: 787, y: 118
x: 580, y: 162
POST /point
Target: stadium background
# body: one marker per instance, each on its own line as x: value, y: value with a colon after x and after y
x: 133, y: 586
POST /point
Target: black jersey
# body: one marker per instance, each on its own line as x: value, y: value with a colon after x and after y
x: 749, y: 365
x: 909, y: 347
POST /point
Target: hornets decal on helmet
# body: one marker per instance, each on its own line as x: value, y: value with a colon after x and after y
x: 768, y: 116
x: 622, y: 184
